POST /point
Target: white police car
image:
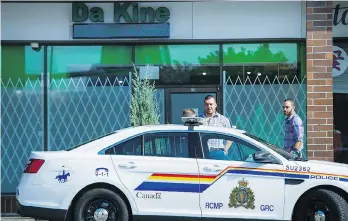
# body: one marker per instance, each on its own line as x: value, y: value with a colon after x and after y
x: 167, y: 172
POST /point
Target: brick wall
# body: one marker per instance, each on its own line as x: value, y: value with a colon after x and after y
x: 319, y: 80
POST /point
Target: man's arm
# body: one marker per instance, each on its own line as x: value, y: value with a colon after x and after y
x: 299, y: 133
x: 228, y: 142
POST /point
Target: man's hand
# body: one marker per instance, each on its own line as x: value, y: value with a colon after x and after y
x: 227, y: 146
x: 226, y: 151
x: 298, y: 145
x: 297, y: 153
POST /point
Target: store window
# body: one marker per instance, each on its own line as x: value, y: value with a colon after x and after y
x: 89, y: 92
x: 21, y: 110
x: 258, y: 77
x: 101, y: 65
x: 179, y: 64
x: 340, y: 100
x: 21, y: 63
x: 264, y: 63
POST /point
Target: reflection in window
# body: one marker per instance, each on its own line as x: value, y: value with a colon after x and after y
x: 89, y: 65
x: 251, y: 74
x: 179, y: 64
x: 21, y: 63
x: 267, y: 63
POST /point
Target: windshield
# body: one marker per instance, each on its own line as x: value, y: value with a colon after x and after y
x: 273, y: 147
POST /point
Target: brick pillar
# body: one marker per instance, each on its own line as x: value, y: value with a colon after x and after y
x: 319, y: 80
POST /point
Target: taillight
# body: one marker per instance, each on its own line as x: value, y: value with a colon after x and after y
x: 34, y: 166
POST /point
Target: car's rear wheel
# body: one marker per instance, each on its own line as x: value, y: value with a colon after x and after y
x: 101, y: 205
x: 322, y: 205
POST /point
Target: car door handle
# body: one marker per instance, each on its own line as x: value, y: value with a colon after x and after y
x: 212, y: 169
x: 129, y: 165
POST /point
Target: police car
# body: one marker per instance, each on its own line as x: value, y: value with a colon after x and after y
x: 166, y: 172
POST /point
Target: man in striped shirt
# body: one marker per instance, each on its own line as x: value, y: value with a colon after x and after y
x: 218, y: 150
x: 294, y: 131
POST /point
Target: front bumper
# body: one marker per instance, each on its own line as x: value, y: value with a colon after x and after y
x: 41, y: 213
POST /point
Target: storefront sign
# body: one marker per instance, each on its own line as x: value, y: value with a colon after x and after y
x: 116, y: 30
x: 130, y: 12
x: 340, y: 61
x: 130, y: 21
x: 338, y: 17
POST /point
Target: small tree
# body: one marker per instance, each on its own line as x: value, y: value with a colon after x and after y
x: 144, y: 108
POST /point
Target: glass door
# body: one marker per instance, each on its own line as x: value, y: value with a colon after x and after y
x: 181, y: 98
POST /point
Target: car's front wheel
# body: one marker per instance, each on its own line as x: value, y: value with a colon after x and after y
x: 101, y: 205
x: 322, y: 204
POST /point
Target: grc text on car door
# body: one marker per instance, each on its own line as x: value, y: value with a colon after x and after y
x: 237, y: 187
x: 156, y: 168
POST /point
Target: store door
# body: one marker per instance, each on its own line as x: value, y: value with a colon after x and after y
x: 181, y: 98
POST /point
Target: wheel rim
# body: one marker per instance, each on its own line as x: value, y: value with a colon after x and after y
x: 319, y: 211
x: 100, y: 210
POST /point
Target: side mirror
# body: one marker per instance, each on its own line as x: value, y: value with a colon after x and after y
x: 263, y: 157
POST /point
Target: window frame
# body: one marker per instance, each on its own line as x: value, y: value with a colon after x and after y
x: 193, y: 149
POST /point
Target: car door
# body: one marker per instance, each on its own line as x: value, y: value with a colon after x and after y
x: 161, y: 172
x: 237, y: 187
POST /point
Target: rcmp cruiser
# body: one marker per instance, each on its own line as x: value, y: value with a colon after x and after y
x: 172, y: 163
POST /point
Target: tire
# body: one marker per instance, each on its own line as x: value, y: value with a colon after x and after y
x: 322, y: 198
x: 103, y: 195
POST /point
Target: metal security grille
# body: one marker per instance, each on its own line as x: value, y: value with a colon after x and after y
x: 21, y: 127
x: 83, y: 108
x: 78, y: 109
x: 254, y: 104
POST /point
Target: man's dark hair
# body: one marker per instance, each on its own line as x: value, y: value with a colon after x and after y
x: 209, y: 97
x: 290, y: 100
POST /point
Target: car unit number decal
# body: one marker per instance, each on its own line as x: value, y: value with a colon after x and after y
x: 298, y: 168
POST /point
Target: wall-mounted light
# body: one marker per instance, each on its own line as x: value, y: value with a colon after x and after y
x: 35, y: 46
x: 259, y: 74
x: 248, y: 72
x: 204, y: 73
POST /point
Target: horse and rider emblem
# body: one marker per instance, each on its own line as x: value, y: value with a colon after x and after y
x: 63, y: 176
x: 242, y: 196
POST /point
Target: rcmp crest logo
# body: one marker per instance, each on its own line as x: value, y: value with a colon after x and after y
x: 242, y: 196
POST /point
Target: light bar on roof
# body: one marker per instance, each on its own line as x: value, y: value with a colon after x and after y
x: 192, y: 121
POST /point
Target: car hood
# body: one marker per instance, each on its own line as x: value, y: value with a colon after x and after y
x: 327, y: 163
x: 324, y: 167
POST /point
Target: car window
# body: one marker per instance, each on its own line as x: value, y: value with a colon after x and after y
x: 273, y: 147
x: 129, y: 147
x: 166, y: 144
x: 214, y: 145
